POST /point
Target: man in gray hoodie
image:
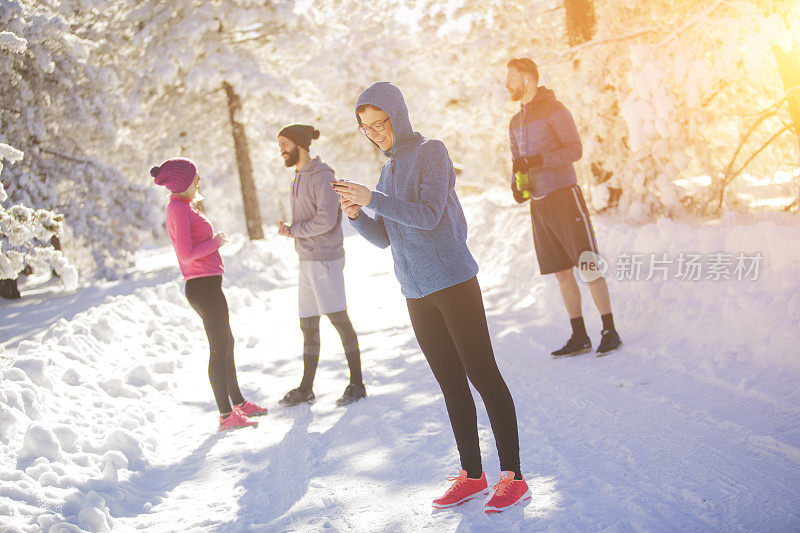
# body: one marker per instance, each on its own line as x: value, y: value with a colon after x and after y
x: 317, y: 231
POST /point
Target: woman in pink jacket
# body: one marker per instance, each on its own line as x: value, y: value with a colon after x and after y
x: 197, y: 248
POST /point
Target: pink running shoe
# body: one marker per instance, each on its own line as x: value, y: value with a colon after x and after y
x: 235, y: 420
x: 463, y: 489
x: 250, y: 409
x: 507, y: 493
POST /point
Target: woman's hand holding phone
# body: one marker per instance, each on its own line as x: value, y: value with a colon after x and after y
x: 353, y: 192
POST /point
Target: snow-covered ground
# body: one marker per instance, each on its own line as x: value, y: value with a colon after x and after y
x: 107, y: 420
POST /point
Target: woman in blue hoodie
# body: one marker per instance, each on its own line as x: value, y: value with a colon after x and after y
x: 418, y: 214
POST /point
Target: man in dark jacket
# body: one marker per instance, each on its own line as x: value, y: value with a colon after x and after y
x: 544, y: 145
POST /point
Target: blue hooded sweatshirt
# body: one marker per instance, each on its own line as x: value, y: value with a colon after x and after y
x: 416, y: 208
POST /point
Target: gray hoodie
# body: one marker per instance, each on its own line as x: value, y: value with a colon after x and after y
x: 316, y: 218
x: 417, y: 211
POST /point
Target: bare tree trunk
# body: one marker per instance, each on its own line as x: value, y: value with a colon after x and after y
x: 252, y: 214
x: 581, y: 24
x: 789, y: 68
x: 581, y: 21
x: 56, y: 243
x: 8, y: 289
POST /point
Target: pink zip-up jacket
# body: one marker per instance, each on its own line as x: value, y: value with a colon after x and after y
x: 193, y: 239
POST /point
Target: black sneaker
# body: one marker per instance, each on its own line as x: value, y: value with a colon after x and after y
x: 574, y: 346
x: 609, y: 341
x: 352, y: 393
x: 297, y: 396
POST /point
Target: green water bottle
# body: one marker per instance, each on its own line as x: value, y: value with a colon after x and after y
x: 522, y: 184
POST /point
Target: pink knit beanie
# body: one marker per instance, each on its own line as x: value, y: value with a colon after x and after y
x: 175, y: 174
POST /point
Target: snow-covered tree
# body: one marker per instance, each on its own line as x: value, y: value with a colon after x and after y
x: 24, y: 232
x: 665, y: 93
x: 182, y: 67
x: 58, y: 107
x: 688, y: 82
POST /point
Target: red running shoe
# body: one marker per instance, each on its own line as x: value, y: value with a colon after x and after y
x: 251, y: 409
x: 235, y: 420
x: 463, y: 489
x: 507, y: 493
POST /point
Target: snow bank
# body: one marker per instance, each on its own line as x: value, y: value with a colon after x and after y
x: 39, y: 441
x: 78, y: 402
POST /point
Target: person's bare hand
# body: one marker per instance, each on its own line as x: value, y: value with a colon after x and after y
x: 283, y: 229
x: 352, y: 191
x: 350, y: 209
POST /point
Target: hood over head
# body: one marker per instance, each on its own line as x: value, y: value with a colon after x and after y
x: 388, y: 97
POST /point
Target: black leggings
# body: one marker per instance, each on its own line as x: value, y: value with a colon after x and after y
x: 451, y: 330
x: 310, y: 327
x: 206, y: 297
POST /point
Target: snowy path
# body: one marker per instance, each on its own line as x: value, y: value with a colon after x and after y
x: 677, y: 431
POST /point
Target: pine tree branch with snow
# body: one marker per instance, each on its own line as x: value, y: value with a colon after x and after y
x: 23, y: 231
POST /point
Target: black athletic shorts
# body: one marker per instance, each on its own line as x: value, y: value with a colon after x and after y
x: 562, y: 229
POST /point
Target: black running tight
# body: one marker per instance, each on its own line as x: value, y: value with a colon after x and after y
x: 206, y: 297
x: 451, y: 329
x: 310, y: 327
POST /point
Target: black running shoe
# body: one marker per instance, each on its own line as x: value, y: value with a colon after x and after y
x: 608, y: 342
x: 352, y: 393
x: 574, y: 346
x: 297, y: 396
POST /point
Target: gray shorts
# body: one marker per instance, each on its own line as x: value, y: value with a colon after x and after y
x: 321, y: 287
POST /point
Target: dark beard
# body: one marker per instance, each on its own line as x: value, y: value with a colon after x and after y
x: 294, y: 157
x: 516, y: 94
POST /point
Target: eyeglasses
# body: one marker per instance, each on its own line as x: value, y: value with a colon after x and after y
x: 377, y: 126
